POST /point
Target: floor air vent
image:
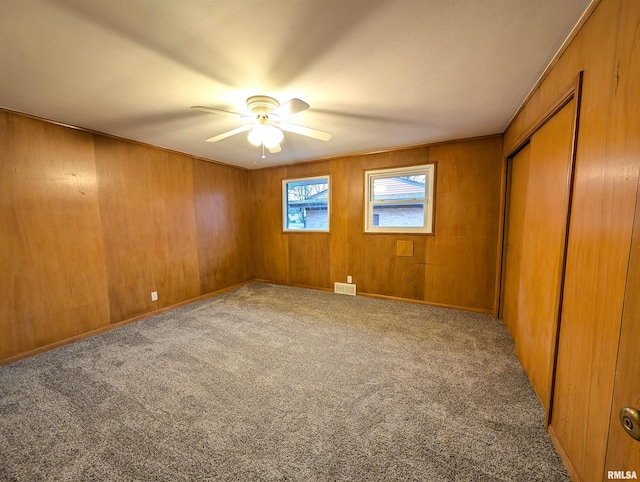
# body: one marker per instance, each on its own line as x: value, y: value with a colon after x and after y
x: 344, y: 288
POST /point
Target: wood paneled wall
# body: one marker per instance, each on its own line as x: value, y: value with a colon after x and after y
x: 455, y: 266
x: 222, y: 196
x: 52, y: 276
x: 149, y: 228
x: 461, y: 257
x: 91, y: 225
x: 605, y: 186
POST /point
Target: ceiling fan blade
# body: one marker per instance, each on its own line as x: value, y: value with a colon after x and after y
x: 275, y: 149
x: 218, y: 111
x: 230, y: 133
x: 305, y: 131
x: 289, y: 108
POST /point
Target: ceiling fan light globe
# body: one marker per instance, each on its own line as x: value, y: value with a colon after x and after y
x: 257, y: 135
x: 273, y: 137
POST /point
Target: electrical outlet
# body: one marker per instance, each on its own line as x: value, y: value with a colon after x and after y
x: 349, y: 279
x: 154, y: 296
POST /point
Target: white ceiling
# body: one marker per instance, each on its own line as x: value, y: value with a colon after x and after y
x: 378, y: 74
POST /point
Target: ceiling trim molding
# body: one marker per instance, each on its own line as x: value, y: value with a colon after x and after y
x: 118, y: 138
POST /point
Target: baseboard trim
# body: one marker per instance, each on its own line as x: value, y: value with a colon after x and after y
x: 563, y: 455
x: 295, y: 285
x: 384, y: 297
x: 112, y: 326
x: 429, y: 303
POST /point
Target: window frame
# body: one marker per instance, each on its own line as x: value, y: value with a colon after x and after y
x: 370, y: 175
x: 285, y: 198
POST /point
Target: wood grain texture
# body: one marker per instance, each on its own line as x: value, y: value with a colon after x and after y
x: 519, y: 169
x: 307, y: 254
x: 623, y: 453
x: 537, y: 225
x: 387, y: 274
x: 270, y: 251
x: 149, y: 226
x: 597, y: 259
x: 222, y: 197
x: 404, y: 248
x: 603, y: 206
x: 339, y: 237
x: 53, y: 275
x: 287, y: 257
x: 92, y: 224
x: 372, y: 257
x: 461, y: 265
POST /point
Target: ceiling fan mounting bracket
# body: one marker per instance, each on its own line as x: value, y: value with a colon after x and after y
x: 261, y: 104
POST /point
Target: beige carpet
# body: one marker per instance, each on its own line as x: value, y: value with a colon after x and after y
x: 277, y: 383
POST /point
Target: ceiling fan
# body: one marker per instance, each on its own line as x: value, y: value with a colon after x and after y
x: 269, y: 120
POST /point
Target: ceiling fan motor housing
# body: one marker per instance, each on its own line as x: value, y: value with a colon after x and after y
x: 261, y: 104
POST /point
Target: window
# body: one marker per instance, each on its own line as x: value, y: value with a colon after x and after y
x: 305, y: 204
x: 399, y: 200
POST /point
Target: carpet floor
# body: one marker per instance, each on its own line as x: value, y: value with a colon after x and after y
x: 270, y: 382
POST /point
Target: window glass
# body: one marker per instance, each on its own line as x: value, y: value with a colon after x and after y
x: 407, y: 188
x: 306, y: 204
x: 405, y: 216
x: 399, y: 199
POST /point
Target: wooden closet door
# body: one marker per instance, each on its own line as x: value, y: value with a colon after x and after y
x: 519, y: 167
x: 536, y: 236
